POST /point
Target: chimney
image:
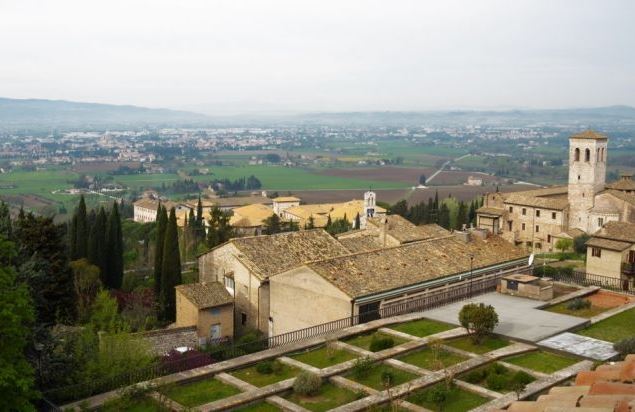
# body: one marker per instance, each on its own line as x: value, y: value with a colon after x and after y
x: 463, y: 236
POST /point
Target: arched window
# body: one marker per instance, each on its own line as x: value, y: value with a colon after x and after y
x: 587, y: 155
x: 576, y: 156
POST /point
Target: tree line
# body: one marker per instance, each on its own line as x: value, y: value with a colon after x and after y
x: 449, y: 213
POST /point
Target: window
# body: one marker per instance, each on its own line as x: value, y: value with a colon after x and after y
x: 528, y: 244
x: 553, y: 215
x: 576, y: 156
x: 229, y: 284
x: 524, y: 211
x: 215, y: 311
x: 548, y: 238
x: 587, y: 155
x: 596, y: 252
x: 510, y: 225
x: 600, y: 221
x: 243, y: 318
x: 537, y: 213
x: 578, y: 177
x: 537, y: 228
x: 523, y: 226
x: 538, y: 245
x: 511, y: 209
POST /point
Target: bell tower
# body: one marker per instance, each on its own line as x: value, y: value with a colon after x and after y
x: 587, y: 175
x: 370, y: 206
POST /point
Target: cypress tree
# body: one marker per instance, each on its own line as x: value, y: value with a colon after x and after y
x: 97, y: 244
x: 358, y: 221
x: 162, y: 220
x: 6, y: 229
x: 170, y: 269
x: 81, y: 231
x: 471, y: 216
x: 72, y: 237
x: 199, y: 211
x: 461, y: 216
x: 114, y: 249
x: 444, y: 216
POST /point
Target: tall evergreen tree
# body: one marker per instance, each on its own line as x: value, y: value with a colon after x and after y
x: 97, y: 244
x: 199, y: 211
x: 170, y: 269
x: 471, y: 215
x: 162, y: 221
x: 272, y: 225
x: 461, y: 215
x: 358, y: 221
x: 219, y: 230
x: 114, y: 249
x: 72, y: 236
x: 81, y: 231
x: 6, y: 228
x: 444, y: 216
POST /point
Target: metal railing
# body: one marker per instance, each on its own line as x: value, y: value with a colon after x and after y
x: 582, y: 278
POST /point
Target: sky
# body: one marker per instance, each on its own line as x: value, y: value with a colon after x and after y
x: 302, y: 55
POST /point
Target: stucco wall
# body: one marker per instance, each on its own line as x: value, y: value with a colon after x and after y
x: 186, y: 312
x: 608, y: 264
x: 222, y: 315
x: 301, y: 298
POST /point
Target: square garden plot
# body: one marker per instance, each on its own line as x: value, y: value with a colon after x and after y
x: 497, y: 377
x: 137, y: 404
x: 330, y: 396
x: 199, y: 392
x: 613, y: 329
x: 265, y: 373
x: 488, y: 344
x: 422, y: 327
x: 456, y: 399
x: 258, y: 407
x: 369, y: 341
x: 324, y: 356
x: 378, y: 375
x: 568, y: 308
x: 542, y: 361
x: 425, y: 359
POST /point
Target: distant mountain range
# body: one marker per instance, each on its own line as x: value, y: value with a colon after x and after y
x: 49, y: 114
x: 38, y: 113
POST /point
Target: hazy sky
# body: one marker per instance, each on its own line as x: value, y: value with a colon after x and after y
x: 321, y: 55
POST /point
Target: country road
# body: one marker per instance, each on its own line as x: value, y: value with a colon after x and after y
x: 444, y: 165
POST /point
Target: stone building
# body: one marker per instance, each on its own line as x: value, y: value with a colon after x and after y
x: 249, y: 220
x: 145, y: 209
x: 282, y: 203
x: 535, y: 219
x: 611, y: 252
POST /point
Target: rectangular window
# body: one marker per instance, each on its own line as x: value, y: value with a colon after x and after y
x: 548, y: 238
x: 229, y: 284
x: 537, y: 213
x: 511, y: 209
x: 523, y: 226
x: 243, y: 318
x: 537, y: 228
x: 524, y: 211
x: 553, y: 215
x: 600, y: 221
x: 538, y: 245
x: 596, y: 252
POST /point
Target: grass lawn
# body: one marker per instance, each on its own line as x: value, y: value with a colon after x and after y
x: 321, y: 358
x: 424, y: 359
x: 258, y: 407
x: 374, y: 377
x: 582, y: 313
x: 541, y: 361
x: 490, y: 343
x: 251, y: 375
x: 330, y: 397
x: 422, y: 327
x: 199, y: 392
x: 143, y: 404
x: 614, y: 328
x: 495, y: 377
x: 459, y: 400
x: 363, y: 341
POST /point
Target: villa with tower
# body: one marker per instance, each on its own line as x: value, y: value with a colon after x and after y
x: 536, y: 219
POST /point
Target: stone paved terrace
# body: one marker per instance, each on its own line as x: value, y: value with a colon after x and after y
x: 581, y: 346
x: 519, y: 318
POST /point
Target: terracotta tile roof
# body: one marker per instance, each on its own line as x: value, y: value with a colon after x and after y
x: 363, y: 243
x: 250, y: 215
x: 153, y: 204
x: 552, y: 191
x: 608, y: 244
x: 235, y: 201
x: 283, y: 199
x: 484, y: 210
x: 621, y: 231
x: 571, y: 233
x: 536, y: 201
x: 273, y: 254
x: 381, y: 270
x: 405, y: 231
x: 589, y: 134
x: 205, y: 295
x: 627, y: 197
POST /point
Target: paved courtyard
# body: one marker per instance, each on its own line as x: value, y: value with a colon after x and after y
x: 518, y: 317
x: 581, y: 346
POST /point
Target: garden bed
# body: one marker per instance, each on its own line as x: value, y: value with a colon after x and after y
x: 379, y: 376
x: 324, y: 357
x: 330, y: 396
x: 613, y: 329
x: 456, y: 399
x: 258, y: 407
x: 425, y: 359
x: 137, y: 404
x: 542, y: 361
x: 265, y: 373
x: 565, y: 309
x: 199, y: 392
x: 488, y: 344
x: 365, y: 341
x: 422, y: 327
x: 497, y: 377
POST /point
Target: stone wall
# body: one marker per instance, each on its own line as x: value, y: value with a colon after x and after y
x: 163, y: 341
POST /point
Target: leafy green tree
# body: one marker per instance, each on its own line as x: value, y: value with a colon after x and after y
x: 162, y: 222
x: 97, y: 243
x: 579, y: 243
x: 104, y: 315
x: 87, y: 280
x: 564, y: 244
x: 479, y: 320
x: 219, y: 230
x: 170, y: 269
x: 272, y: 225
x: 400, y: 208
x: 310, y: 223
x: 16, y: 318
x: 43, y: 264
x: 340, y: 225
x: 114, y: 249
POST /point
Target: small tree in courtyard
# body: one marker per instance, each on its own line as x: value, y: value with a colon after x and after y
x: 479, y: 320
x: 564, y: 244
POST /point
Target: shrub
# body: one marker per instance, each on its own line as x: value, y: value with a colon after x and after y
x: 625, y: 346
x: 378, y: 343
x: 362, y: 367
x: 496, y: 369
x: 579, y: 304
x: 265, y: 367
x: 521, y: 377
x: 496, y: 382
x: 387, y: 378
x: 476, y: 376
x: 307, y: 383
x: 277, y: 366
x: 478, y: 319
x: 545, y: 271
